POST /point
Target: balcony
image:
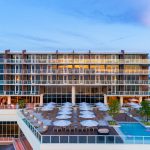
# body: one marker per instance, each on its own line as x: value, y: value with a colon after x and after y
x: 19, y: 93
x: 75, y: 61
x: 76, y: 71
x: 75, y: 82
x: 136, y: 93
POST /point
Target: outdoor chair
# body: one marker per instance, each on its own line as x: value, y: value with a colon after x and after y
x: 30, y: 117
x: 42, y: 129
x: 38, y: 124
x: 34, y: 120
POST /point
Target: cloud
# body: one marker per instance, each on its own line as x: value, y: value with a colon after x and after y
x: 31, y: 37
x: 35, y: 38
x: 116, y: 11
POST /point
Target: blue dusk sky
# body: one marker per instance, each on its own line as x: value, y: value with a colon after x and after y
x: 80, y: 25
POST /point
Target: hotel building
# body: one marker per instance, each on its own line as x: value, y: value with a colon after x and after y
x: 39, y: 77
x: 44, y: 77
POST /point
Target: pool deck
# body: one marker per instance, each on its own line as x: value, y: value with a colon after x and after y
x: 122, y: 117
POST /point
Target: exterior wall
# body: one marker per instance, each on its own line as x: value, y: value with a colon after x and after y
x: 94, y: 146
x: 8, y: 115
x: 92, y: 74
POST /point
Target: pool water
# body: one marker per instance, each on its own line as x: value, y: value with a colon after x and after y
x: 135, y: 133
x: 135, y: 129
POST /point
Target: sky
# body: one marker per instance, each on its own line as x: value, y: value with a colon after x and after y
x: 80, y: 25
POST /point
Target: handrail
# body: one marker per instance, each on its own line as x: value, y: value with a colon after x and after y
x: 96, y: 82
x: 32, y: 128
x: 75, y: 71
x: 79, y: 61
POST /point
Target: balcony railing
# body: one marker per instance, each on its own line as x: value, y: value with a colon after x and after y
x: 74, y: 71
x: 77, y: 61
x: 129, y: 93
x: 19, y: 93
x: 146, y: 93
x: 74, y: 82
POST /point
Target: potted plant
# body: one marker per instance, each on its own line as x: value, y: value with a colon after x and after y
x: 21, y: 103
x: 114, y: 107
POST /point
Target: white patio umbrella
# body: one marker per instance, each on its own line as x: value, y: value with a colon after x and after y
x: 46, y: 122
x: 85, y: 108
x: 63, y: 116
x: 99, y: 104
x: 46, y: 109
x: 103, y: 123
x: 65, y: 109
x: 64, y: 112
x: 84, y: 104
x: 133, y: 100
x: 87, y: 116
x: 89, y: 123
x: 61, y: 123
x: 67, y: 104
x: 136, y: 106
x: 108, y: 118
x: 103, y: 109
x: 86, y: 112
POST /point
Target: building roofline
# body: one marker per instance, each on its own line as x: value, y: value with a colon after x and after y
x: 69, y: 52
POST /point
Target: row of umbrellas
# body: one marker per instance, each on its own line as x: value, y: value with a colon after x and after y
x: 87, y: 123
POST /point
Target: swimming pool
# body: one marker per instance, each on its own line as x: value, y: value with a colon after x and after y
x: 135, y: 133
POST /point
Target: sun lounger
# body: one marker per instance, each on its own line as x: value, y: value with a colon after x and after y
x: 42, y: 129
x: 37, y: 124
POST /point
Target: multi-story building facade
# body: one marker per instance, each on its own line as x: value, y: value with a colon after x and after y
x: 39, y: 77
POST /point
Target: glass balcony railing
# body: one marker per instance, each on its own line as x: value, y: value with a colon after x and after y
x: 78, y: 61
x: 129, y: 93
x: 74, y: 71
x: 19, y: 93
x: 80, y: 82
x: 137, y: 93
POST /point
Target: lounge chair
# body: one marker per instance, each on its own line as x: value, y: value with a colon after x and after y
x: 38, y: 124
x: 35, y: 120
x: 30, y: 117
x: 42, y: 129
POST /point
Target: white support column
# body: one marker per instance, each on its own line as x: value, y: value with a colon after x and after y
x: 140, y: 99
x: 121, y: 101
x: 32, y: 100
x: 9, y: 100
x: 41, y: 99
x: 73, y: 95
x: 105, y: 99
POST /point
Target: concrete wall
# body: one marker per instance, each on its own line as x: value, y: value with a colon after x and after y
x: 94, y: 147
x: 8, y: 115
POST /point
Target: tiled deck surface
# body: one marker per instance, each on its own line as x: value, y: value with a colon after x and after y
x: 124, y: 118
